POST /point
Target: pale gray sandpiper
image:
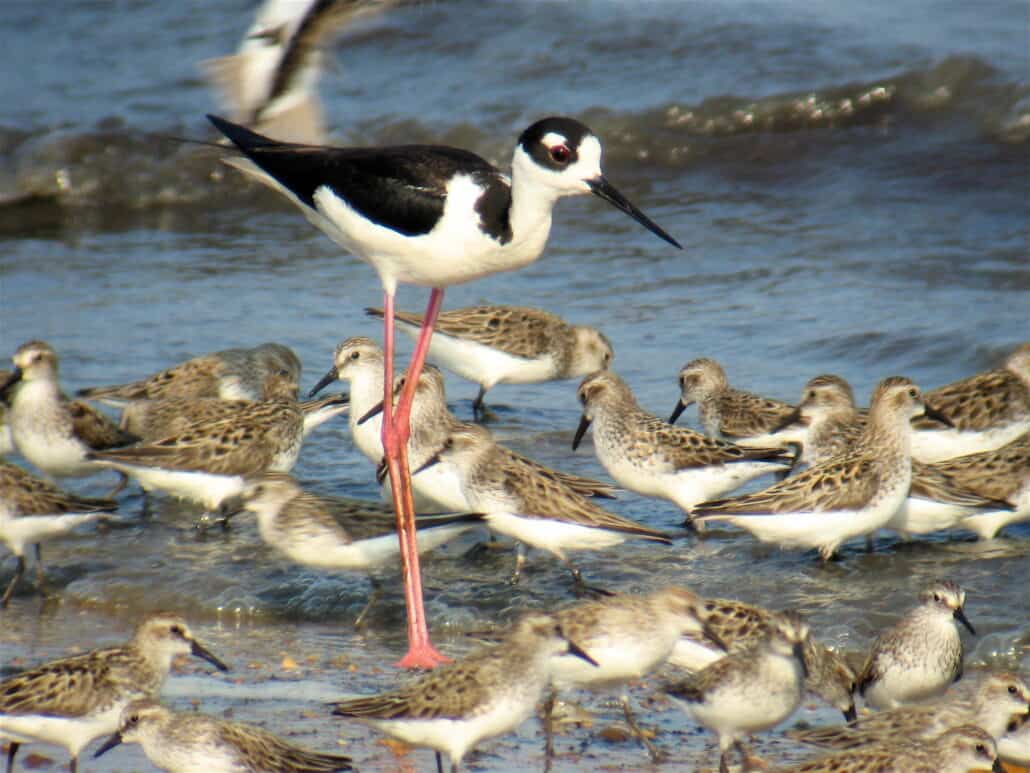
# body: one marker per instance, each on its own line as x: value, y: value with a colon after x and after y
x: 629, y: 637
x: 848, y: 496
x: 486, y: 694
x: 33, y: 511
x: 55, y: 434
x: 938, y: 498
x: 190, y: 742
x: 230, y: 374
x: 71, y: 701
x: 1014, y: 746
x: 490, y: 345
x: 333, y: 532
x: 432, y: 423
x: 987, y: 411
x: 207, y: 462
x: 732, y: 626
x: 748, y: 691
x: 523, y: 502
x: 921, y: 655
x: 724, y: 411
x: 649, y: 456
x: 958, y: 750
x: 990, y: 702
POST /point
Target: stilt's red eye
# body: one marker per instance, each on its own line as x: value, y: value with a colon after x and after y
x: 560, y: 154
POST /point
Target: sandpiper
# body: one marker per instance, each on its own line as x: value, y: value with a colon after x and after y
x: 33, y: 511
x: 53, y: 433
x: 649, y: 456
x: 270, y: 82
x: 958, y: 750
x: 488, y: 693
x: 207, y: 461
x: 70, y: 702
x: 628, y: 636
x: 920, y: 655
x: 1014, y: 746
x: 230, y: 374
x: 525, y: 503
x: 431, y: 216
x: 986, y: 411
x: 490, y: 345
x: 333, y: 532
x: 733, y: 626
x: 724, y: 411
x: 433, y: 423
x: 751, y: 690
x: 991, y: 703
x: 188, y: 742
x: 850, y: 495
x: 1002, y: 475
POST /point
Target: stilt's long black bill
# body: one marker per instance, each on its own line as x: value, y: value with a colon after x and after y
x: 680, y: 407
x: 581, y: 430
x: 605, y: 190
x: 114, y: 740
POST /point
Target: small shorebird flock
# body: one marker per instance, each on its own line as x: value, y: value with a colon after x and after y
x: 223, y: 431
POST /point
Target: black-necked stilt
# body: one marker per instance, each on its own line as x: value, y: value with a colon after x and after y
x: 432, y: 216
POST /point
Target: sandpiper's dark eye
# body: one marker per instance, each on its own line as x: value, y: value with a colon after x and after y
x: 937, y: 597
x: 133, y: 719
x: 284, y: 373
x: 1012, y: 689
x: 176, y: 629
x: 560, y: 154
x: 913, y: 394
x: 355, y: 355
x: 981, y: 749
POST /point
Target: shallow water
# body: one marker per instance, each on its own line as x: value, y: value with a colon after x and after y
x: 849, y: 184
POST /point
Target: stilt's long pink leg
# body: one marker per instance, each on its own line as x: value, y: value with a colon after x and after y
x: 395, y: 434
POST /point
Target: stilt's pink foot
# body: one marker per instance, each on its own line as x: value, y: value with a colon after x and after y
x: 423, y: 655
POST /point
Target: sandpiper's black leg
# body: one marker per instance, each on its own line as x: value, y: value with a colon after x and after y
x: 12, y: 751
x: 123, y: 481
x: 41, y: 581
x: 439, y: 763
x: 373, y: 598
x: 18, y: 572
x: 656, y: 754
x: 549, y: 730
x: 478, y: 409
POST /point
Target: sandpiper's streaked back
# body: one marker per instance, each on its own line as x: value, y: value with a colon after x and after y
x: 733, y: 626
x: 70, y: 702
x: 649, y: 456
x: 230, y: 374
x: 432, y: 216
x: 920, y: 655
x: 991, y: 702
x: 54, y: 433
x: 33, y: 511
x: 958, y: 750
x: 207, y: 461
x: 986, y: 411
x: 749, y: 691
x: 525, y: 503
x: 182, y: 742
x: 488, y: 693
x: 490, y: 345
x: 725, y: 411
x: 850, y: 495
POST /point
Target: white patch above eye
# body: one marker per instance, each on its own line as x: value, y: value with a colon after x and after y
x: 553, y: 139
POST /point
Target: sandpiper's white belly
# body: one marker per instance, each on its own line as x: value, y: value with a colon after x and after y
x: 483, y: 364
x: 19, y: 532
x: 620, y: 659
x: 923, y: 516
x: 201, y: 487
x: 71, y: 733
x: 553, y: 536
x: 935, y: 445
x: 692, y: 656
x: 987, y: 525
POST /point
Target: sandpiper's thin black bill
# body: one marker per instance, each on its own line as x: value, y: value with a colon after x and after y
x: 605, y: 190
